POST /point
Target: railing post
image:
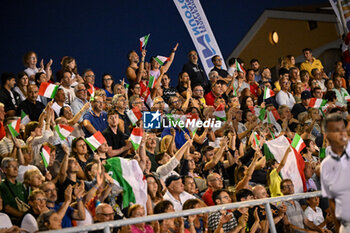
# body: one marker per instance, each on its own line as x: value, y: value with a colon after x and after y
x: 270, y: 218
x: 107, y: 230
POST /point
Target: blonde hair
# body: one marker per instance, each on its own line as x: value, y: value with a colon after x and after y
x: 28, y: 175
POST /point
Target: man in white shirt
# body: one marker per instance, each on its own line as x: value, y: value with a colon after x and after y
x: 176, y: 192
x: 284, y: 97
x: 335, y: 172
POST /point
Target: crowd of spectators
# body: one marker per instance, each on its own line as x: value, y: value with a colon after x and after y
x: 184, y: 168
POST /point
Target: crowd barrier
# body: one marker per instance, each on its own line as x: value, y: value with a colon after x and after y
x: 129, y: 221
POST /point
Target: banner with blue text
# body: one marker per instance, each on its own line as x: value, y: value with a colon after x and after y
x: 202, y: 36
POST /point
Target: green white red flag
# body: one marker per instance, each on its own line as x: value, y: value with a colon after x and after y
x: 134, y: 115
x: 136, y: 137
x: 239, y: 67
x: 152, y: 82
x: 95, y: 141
x: 256, y: 139
x: 220, y: 113
x: 63, y: 131
x: 144, y: 41
x: 268, y: 93
x: 91, y: 91
x: 24, y: 118
x: 45, y: 155
x: 161, y: 60
x: 317, y: 103
x: 14, y: 127
x: 298, y: 143
x: 48, y: 90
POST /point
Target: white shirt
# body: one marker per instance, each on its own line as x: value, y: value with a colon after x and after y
x: 335, y: 173
x: 184, y: 196
x: 5, y: 221
x: 314, y: 216
x: 29, y: 224
x: 167, y: 169
x: 285, y: 98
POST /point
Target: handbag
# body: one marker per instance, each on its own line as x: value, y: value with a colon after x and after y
x: 21, y: 205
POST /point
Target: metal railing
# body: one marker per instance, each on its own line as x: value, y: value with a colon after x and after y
x: 130, y: 221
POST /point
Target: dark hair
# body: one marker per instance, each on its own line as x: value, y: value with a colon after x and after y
x: 244, y: 104
x: 303, y: 73
x: 190, y: 203
x: 330, y: 96
x: 214, y: 57
x: 37, y: 78
x: 159, y: 194
x: 74, y: 144
x: 283, y: 71
x: 111, y: 112
x: 162, y: 206
x: 205, y: 149
x: 85, y: 71
x: 88, y: 168
x: 243, y: 193
x: 103, y: 84
x: 44, y: 220
x: 26, y: 56
x: 313, y: 71
x: 285, y: 181
x: 307, y: 49
x: 253, y: 60
x: 6, y: 76
x: 30, y: 127
x: 130, y: 52
x: 333, y: 117
x: 217, y: 193
x: 248, y: 70
x: 231, y: 61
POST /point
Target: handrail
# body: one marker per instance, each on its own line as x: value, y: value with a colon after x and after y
x: 150, y: 218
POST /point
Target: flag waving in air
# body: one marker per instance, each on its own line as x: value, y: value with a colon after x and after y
x: 298, y: 143
x: 63, y: 131
x: 136, y: 137
x: 14, y: 127
x: 45, y: 155
x: 268, y: 93
x: 317, y: 103
x: 95, y: 141
x: 134, y: 115
x: 220, y: 113
x: 144, y: 41
x: 161, y: 60
x: 48, y: 90
x: 91, y: 91
x: 239, y: 67
x: 24, y: 118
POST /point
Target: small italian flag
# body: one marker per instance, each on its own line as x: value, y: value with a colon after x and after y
x: 126, y: 87
x: 144, y: 41
x: 95, y: 141
x: 152, y: 82
x: 149, y: 100
x: 258, y: 111
x: 136, y: 137
x: 220, y: 113
x: 234, y: 90
x: 298, y: 143
x: 91, y: 91
x: 63, y: 131
x: 134, y: 115
x: 14, y: 127
x: 317, y: 103
x: 161, y: 60
x: 45, y: 155
x: 268, y: 93
x: 256, y: 139
x: 239, y: 68
x: 24, y: 118
x: 48, y: 90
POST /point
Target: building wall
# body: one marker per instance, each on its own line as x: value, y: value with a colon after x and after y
x: 294, y: 35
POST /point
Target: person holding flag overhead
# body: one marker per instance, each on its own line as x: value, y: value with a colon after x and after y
x: 158, y: 61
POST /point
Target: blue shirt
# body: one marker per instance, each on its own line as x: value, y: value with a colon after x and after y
x: 180, y: 139
x: 98, y: 122
x: 108, y: 94
x: 67, y: 219
x: 76, y: 105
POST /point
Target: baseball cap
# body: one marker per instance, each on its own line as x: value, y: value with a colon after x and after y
x: 171, y: 179
x: 305, y: 95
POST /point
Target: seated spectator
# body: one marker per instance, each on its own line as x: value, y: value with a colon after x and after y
x: 284, y: 97
x: 314, y: 215
x: 31, y: 106
x: 104, y: 213
x: 214, y: 93
x: 223, y: 74
x: 303, y: 106
x: 298, y: 88
x: 223, y: 220
x: 66, y: 85
x: 176, y: 193
x: 170, y: 224
x: 80, y: 100
x: 305, y: 77
x: 184, y: 84
x: 190, y: 186
x: 154, y: 190
x: 60, y: 99
x: 49, y: 221
x: 138, y: 211
x: 120, y: 103
x: 4, y: 218
x: 247, y: 195
x: 8, y: 96
x: 21, y: 86
x: 8, y: 145
x: 195, y: 223
x: 215, y: 182
x: 33, y: 179
x: 339, y: 90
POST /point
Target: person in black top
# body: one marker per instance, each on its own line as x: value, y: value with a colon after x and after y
x: 8, y: 97
x: 30, y: 106
x: 168, y: 91
x: 217, y: 61
x: 114, y: 137
x: 303, y: 106
x: 193, y: 69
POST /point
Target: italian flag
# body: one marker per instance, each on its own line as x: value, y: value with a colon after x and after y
x: 258, y: 111
x: 91, y: 91
x: 63, y: 131
x: 161, y: 60
x: 126, y: 87
x: 136, y: 137
x: 24, y: 118
x: 256, y: 139
x: 149, y: 100
x: 272, y: 117
x: 45, y: 155
x: 152, y: 82
x: 220, y: 113
x: 134, y: 115
x: 234, y: 90
x: 317, y: 103
x: 48, y: 90
x: 95, y: 141
x: 14, y: 127
x: 268, y: 93
x: 128, y: 175
x: 144, y: 41
x: 239, y: 68
x: 298, y: 143
x: 294, y: 167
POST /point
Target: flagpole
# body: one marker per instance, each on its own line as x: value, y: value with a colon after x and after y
x: 341, y: 12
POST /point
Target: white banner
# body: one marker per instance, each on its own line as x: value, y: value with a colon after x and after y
x: 344, y: 14
x: 197, y: 25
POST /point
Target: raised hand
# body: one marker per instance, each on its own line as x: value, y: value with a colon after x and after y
x: 68, y: 193
x: 79, y: 189
x: 175, y: 48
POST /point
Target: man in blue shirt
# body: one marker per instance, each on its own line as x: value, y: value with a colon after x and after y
x: 96, y: 119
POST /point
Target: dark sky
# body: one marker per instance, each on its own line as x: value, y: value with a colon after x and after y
x: 100, y: 33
